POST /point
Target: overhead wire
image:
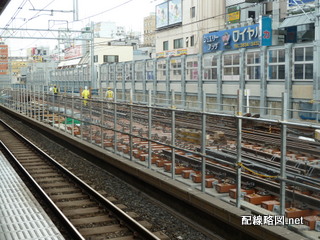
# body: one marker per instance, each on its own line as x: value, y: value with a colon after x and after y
x: 172, y: 33
x: 37, y: 14
x: 33, y: 17
x: 108, y: 10
x: 31, y: 3
x: 15, y: 14
x: 19, y: 9
x: 175, y: 33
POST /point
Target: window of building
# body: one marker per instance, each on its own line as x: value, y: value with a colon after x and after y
x: 178, y: 43
x: 303, y: 63
x: 162, y: 70
x: 192, y: 68
x: 149, y: 70
x: 192, y: 40
x: 165, y: 45
x: 119, y: 72
x: 139, y: 71
x: 210, y: 67
x: 128, y: 71
x: 175, y: 68
x: 253, y: 69
x: 231, y: 67
x: 192, y: 12
x: 95, y: 58
x: 110, y: 58
x: 276, y: 64
x: 252, y: 14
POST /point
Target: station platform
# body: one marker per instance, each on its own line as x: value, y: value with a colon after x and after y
x: 21, y: 216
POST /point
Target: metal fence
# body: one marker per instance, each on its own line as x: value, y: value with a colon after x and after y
x: 110, y: 124
x: 263, y: 73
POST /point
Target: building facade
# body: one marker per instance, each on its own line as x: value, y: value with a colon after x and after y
x: 200, y: 54
x: 39, y: 54
x: 109, y: 30
x: 149, y: 31
x: 18, y: 69
x: 180, y: 31
x: 107, y: 51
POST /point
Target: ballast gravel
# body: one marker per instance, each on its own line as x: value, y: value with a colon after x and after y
x: 160, y: 218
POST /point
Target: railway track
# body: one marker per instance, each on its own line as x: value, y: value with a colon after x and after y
x: 193, y: 121
x: 222, y: 173
x: 83, y: 211
x: 296, y: 172
x: 106, y: 119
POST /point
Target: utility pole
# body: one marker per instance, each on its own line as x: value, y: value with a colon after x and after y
x: 93, y: 78
x: 316, y: 64
x: 75, y: 10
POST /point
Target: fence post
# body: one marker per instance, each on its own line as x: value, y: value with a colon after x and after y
x: 203, y: 142
x: 173, y: 135
x: 115, y: 120
x: 131, y: 125
x: 283, y: 153
x: 149, y: 129
x: 239, y: 139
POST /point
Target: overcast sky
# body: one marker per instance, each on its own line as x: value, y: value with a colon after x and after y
x: 127, y: 13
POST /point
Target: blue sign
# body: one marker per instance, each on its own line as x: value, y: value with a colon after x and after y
x: 266, y: 31
x: 298, y: 2
x: 230, y: 39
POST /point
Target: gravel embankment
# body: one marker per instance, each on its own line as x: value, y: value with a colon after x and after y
x: 160, y: 218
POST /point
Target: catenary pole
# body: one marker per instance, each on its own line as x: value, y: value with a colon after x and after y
x: 316, y: 68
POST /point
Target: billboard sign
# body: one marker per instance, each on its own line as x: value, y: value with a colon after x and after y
x: 233, y: 14
x: 266, y: 31
x: 162, y: 15
x: 168, y: 13
x: 73, y: 52
x: 243, y: 37
x: 175, y: 12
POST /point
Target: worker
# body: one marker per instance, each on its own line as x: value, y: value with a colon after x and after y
x: 85, y: 95
x: 55, y: 92
x: 109, y: 94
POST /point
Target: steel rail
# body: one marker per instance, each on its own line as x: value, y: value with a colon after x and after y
x: 67, y: 224
x: 271, y: 186
x: 132, y: 224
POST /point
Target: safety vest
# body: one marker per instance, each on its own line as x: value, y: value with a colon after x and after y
x: 55, y: 90
x: 85, y: 94
x: 109, y: 94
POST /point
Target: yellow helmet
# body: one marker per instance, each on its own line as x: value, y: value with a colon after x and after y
x: 109, y: 88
